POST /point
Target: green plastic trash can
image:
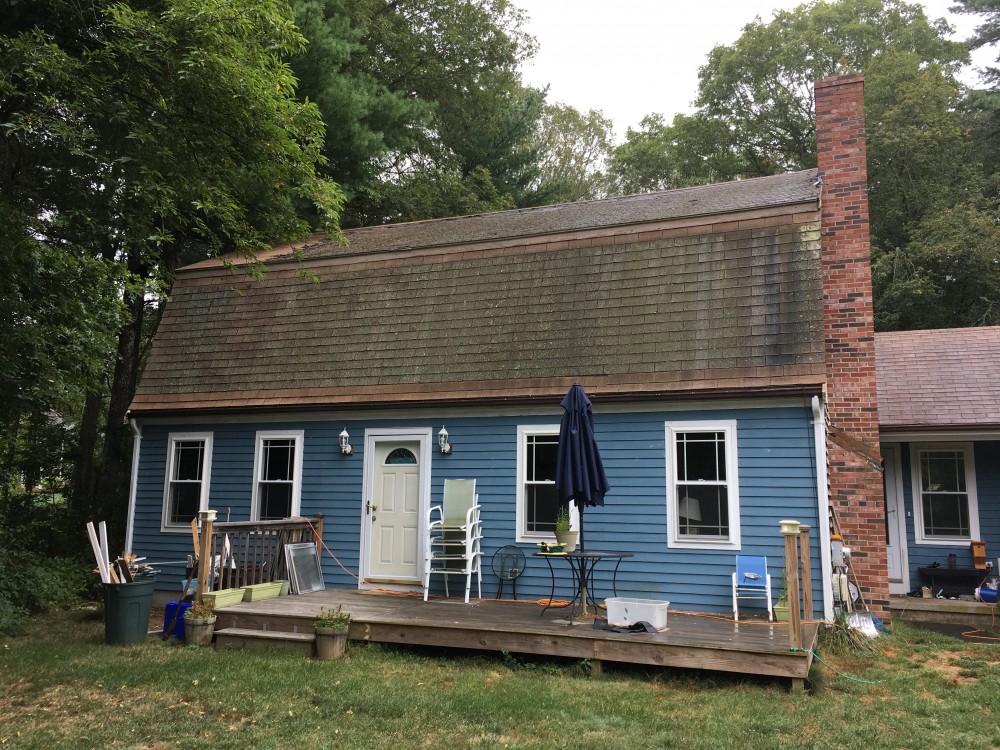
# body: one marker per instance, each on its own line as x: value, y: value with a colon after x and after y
x: 126, y: 611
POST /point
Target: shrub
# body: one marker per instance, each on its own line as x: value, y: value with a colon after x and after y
x: 32, y: 585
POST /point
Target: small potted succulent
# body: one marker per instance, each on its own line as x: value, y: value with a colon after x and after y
x: 199, y: 623
x: 564, y: 536
x: 331, y: 633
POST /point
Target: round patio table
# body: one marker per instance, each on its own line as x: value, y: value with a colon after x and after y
x: 582, y: 566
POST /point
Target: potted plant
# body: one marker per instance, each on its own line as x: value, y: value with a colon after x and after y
x: 331, y: 633
x: 199, y: 623
x: 781, y: 606
x: 564, y: 536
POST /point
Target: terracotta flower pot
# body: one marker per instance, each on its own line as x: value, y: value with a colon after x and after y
x: 330, y: 643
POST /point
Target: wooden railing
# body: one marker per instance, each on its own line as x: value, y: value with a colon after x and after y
x: 241, y: 553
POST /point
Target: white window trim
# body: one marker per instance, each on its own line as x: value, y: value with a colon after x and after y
x: 674, y: 539
x: 523, y: 430
x: 206, y: 480
x: 916, y: 494
x: 299, y: 437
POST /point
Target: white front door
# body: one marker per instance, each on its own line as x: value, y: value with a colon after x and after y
x: 895, y: 522
x: 394, y: 509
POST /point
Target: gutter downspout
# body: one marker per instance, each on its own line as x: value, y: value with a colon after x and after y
x: 823, y: 496
x: 134, y: 482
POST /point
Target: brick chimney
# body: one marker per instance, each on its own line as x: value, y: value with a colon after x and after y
x: 855, y: 483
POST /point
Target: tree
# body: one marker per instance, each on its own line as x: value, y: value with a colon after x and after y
x: 657, y: 156
x: 574, y: 148
x: 755, y: 98
x: 921, y: 158
x: 948, y: 275
x: 760, y: 87
x: 419, y: 95
x: 131, y: 136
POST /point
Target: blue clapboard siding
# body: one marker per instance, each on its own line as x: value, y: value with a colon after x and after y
x: 986, y: 455
x: 777, y: 479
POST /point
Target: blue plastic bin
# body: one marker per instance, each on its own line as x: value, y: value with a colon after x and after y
x: 168, y: 617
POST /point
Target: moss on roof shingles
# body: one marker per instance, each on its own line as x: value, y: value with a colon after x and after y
x: 683, y: 303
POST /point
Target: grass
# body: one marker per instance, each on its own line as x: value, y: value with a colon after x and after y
x: 60, y: 687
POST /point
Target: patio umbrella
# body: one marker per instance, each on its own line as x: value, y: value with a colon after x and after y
x: 580, y: 473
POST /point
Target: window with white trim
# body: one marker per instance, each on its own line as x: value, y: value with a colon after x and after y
x: 189, y: 468
x: 703, y: 504
x: 945, y: 505
x: 537, y: 503
x: 277, y: 488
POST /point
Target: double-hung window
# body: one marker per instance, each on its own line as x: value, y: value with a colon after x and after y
x: 945, y: 504
x: 703, y: 504
x: 277, y: 489
x: 189, y: 466
x: 536, y: 483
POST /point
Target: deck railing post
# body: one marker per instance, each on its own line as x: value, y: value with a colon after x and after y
x: 207, y: 518
x: 790, y: 530
x: 318, y: 525
x: 807, y: 589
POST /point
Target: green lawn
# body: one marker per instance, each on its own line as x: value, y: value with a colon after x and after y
x: 60, y: 687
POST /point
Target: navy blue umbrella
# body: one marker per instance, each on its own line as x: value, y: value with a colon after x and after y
x: 580, y: 473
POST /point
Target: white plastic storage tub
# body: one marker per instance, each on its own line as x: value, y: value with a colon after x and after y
x: 624, y: 612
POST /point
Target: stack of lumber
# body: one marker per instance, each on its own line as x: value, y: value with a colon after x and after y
x: 124, y: 568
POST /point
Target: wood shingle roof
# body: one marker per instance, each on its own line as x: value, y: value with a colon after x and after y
x: 707, y: 290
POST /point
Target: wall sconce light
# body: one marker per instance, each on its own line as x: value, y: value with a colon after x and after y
x: 345, y: 443
x: 443, y: 443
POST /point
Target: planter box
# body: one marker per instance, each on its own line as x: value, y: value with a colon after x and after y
x: 624, y: 612
x: 260, y: 591
x: 223, y: 597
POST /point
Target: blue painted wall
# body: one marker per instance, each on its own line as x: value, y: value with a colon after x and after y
x: 777, y: 479
x: 986, y: 455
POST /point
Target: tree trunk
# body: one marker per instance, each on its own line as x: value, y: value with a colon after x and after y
x: 112, y: 482
x: 82, y: 491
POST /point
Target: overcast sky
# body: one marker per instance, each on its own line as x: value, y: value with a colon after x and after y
x: 628, y: 58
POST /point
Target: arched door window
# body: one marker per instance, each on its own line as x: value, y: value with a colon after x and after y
x: 400, y: 456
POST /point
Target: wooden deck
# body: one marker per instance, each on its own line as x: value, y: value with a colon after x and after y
x: 690, y: 641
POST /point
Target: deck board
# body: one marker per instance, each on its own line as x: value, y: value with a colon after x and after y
x: 689, y: 641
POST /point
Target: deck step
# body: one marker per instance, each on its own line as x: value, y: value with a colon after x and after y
x: 264, y: 639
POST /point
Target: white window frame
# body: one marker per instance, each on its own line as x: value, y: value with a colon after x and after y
x: 299, y: 437
x: 206, y: 466
x: 674, y: 538
x: 523, y: 535
x: 919, y: 536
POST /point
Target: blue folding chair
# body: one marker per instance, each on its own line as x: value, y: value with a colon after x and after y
x: 751, y: 581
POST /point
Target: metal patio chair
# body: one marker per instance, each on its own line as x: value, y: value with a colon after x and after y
x: 751, y: 581
x: 454, y: 534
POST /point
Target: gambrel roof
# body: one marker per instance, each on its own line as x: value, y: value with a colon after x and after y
x: 707, y: 290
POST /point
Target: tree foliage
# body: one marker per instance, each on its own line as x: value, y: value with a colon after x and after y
x: 573, y: 149
x: 424, y: 104
x: 761, y: 86
x: 132, y: 135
